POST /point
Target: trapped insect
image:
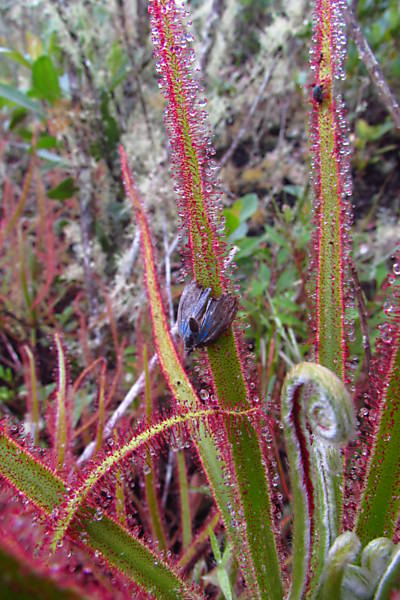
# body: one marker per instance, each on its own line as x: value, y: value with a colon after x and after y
x: 318, y: 93
x: 202, y: 318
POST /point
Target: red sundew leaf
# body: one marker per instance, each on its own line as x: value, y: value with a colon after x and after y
x: 332, y: 183
x: 61, y: 425
x: 380, y: 505
x: 202, y: 216
x: 141, y: 440
x: 190, y: 142
x: 254, y: 503
x: 330, y: 264
x: 120, y: 548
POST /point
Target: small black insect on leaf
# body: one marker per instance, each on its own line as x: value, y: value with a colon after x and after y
x: 318, y: 93
x: 202, y: 318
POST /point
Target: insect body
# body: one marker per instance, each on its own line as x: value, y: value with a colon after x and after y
x: 202, y: 318
x: 318, y: 94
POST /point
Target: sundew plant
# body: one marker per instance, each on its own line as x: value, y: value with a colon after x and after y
x: 316, y: 520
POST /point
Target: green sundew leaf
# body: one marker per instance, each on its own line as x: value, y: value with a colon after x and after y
x: 250, y: 471
x: 15, y: 96
x: 222, y: 561
x: 30, y: 477
x: 19, y: 581
x: 80, y: 493
x: 186, y: 518
x: 66, y: 189
x: 117, y: 545
x: 60, y: 437
x: 376, y: 557
x: 133, y: 559
x: 45, y: 79
x: 152, y: 495
x: 16, y: 56
x: 224, y: 583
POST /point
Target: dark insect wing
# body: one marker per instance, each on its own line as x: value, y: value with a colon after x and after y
x: 191, y: 306
x: 218, y: 317
x: 201, y: 318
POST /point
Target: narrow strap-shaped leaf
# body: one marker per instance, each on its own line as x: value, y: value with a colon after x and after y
x: 326, y: 409
x: 187, y: 126
x: 150, y: 477
x: 333, y: 217
x: 15, y: 96
x: 380, y: 504
x: 186, y: 121
x: 101, y: 402
x: 201, y: 537
x: 249, y: 469
x: 122, y: 550
x: 60, y: 425
x: 77, y: 497
x: 332, y: 187
x: 255, y: 546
